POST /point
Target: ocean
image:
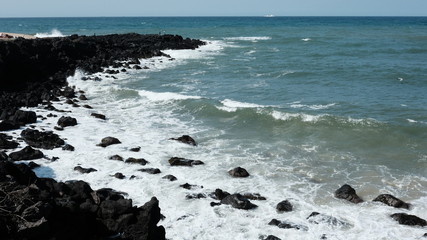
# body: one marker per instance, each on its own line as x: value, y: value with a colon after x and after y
x: 305, y: 104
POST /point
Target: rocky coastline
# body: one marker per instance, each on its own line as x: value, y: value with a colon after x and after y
x: 33, y: 73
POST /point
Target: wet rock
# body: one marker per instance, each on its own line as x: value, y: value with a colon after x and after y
x: 176, y: 161
x: 97, y: 115
x: 284, y: 206
x: 68, y: 92
x: 3, y: 156
x: 170, y: 178
x: 67, y: 121
x: 269, y: 237
x: 27, y: 153
x: 391, y: 201
x: 69, y: 101
x: 19, y: 173
x: 348, y: 193
x: 188, y: 186
x: 82, y: 97
x: 87, y: 106
x: 411, y: 220
x: 185, y: 139
x: 150, y: 170
x: 119, y: 175
x: 57, y: 128
x: 137, y: 67
x: 195, y: 196
x: 24, y: 117
x: 318, y: 218
x: 84, y: 170
x: 254, y: 196
x: 425, y: 235
x: 135, y: 149
x: 7, y: 125
x: 46, y: 140
x: 116, y: 157
x: 238, y: 172
x: 238, y: 201
x: 219, y: 194
x: 140, y: 161
x: 33, y: 165
x: 68, y: 147
x: 287, y: 225
x: 107, y: 141
x: 7, y: 144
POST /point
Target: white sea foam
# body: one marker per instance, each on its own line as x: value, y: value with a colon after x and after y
x: 306, y: 39
x: 312, y: 107
x: 290, y: 116
x: 252, y: 39
x: 232, y: 106
x: 165, y: 96
x: 53, y: 33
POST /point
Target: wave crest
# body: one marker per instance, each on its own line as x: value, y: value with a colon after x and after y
x: 53, y: 33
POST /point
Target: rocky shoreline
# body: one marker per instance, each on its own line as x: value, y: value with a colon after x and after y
x: 33, y: 73
x: 34, y: 208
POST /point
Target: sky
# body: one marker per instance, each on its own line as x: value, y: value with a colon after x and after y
x: 95, y: 8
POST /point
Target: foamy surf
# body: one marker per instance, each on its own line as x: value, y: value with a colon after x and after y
x: 53, y: 33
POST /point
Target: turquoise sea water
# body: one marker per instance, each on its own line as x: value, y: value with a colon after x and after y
x: 327, y: 100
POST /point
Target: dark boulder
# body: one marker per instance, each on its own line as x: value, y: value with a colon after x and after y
x: 20, y: 173
x: 84, y: 170
x: 150, y: 170
x: 7, y: 144
x: 254, y: 196
x: 82, y: 97
x: 411, y: 220
x: 24, y: 117
x: 27, y: 153
x: 270, y: 237
x: 238, y: 172
x: 116, y: 157
x: 348, y: 193
x: 284, y: 206
x: 391, y: 201
x: 3, y: 156
x: 67, y: 121
x: 46, y: 140
x: 140, y: 161
x: 7, y: 125
x: 195, y: 196
x: 33, y: 165
x: 170, y: 178
x: 68, y: 147
x: 238, y: 201
x: 135, y: 149
x: 98, y: 115
x: 176, y: 161
x: 188, y: 186
x: 107, y: 141
x: 185, y: 139
x: 119, y: 175
x: 219, y: 194
x: 287, y: 225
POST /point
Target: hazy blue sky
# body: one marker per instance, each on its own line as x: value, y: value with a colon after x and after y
x: 60, y: 8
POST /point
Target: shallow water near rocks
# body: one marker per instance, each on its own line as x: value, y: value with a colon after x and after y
x: 305, y: 105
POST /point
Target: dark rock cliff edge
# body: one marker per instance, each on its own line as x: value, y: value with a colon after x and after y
x: 33, y: 72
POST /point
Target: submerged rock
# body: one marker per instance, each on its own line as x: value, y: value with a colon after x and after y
x: 150, y: 170
x: 27, y: 153
x: 318, y: 218
x: 411, y: 220
x: 84, y: 170
x: 135, y: 149
x: 107, y: 141
x: 348, y: 193
x: 238, y: 172
x: 170, y: 178
x: 284, y: 206
x: 140, y: 161
x: 238, y: 201
x: 270, y: 237
x: 185, y: 139
x: 287, y: 225
x: 46, y: 140
x: 97, y: 115
x: 68, y: 147
x: 391, y: 201
x: 116, y: 157
x: 176, y: 161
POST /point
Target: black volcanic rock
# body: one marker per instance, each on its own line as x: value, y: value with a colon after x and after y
x: 176, y: 161
x: 287, y: 225
x: 185, y: 139
x: 284, y: 206
x: 140, y: 161
x: 67, y: 121
x: 98, y: 115
x: 46, y: 140
x: 84, y: 170
x: 150, y: 170
x: 238, y: 172
x: 107, y: 141
x: 5, y: 143
x: 391, y: 201
x: 411, y: 220
x: 35, y: 70
x: 348, y: 193
x: 27, y: 153
x: 238, y: 201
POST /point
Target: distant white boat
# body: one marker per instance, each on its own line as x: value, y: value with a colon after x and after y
x: 269, y: 15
